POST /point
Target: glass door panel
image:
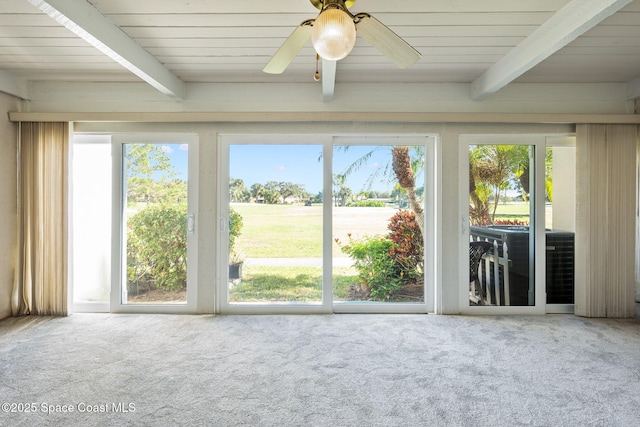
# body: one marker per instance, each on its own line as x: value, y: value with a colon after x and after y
x: 155, y: 222
x: 275, y: 225
x: 501, y: 191
x: 560, y: 186
x: 378, y: 224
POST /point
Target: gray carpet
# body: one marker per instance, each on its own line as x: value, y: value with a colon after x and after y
x: 338, y: 370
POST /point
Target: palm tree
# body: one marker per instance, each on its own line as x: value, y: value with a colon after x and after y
x: 403, y: 167
x: 493, y: 169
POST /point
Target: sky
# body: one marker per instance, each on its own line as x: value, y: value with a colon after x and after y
x: 299, y: 164
x: 179, y: 156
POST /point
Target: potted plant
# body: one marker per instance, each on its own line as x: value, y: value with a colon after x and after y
x: 235, y: 266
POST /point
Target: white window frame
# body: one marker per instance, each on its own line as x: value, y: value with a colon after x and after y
x: 119, y: 205
x: 327, y: 141
x: 538, y: 141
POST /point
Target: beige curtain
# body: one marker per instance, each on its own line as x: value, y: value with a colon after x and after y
x: 41, y: 272
x: 605, y: 220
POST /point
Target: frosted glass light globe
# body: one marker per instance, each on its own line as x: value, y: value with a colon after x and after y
x: 333, y: 34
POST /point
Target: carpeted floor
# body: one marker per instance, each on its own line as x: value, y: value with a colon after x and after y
x: 337, y: 370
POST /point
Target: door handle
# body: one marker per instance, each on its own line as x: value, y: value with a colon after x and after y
x: 191, y: 223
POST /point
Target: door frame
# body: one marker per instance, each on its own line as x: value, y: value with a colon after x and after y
x: 222, y: 304
x: 538, y: 141
x: 118, y: 254
x: 327, y: 306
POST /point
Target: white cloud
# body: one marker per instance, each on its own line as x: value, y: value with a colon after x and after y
x: 184, y: 147
x: 166, y: 149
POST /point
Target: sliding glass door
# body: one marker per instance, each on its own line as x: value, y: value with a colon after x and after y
x: 317, y: 223
x: 155, y: 221
x: 275, y: 224
x: 378, y: 223
x: 503, y: 223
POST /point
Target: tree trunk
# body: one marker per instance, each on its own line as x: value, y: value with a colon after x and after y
x: 404, y: 173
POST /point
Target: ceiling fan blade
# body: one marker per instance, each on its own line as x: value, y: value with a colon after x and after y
x: 386, y: 41
x: 289, y: 49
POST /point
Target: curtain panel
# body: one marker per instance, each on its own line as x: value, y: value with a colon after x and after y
x: 40, y: 285
x: 605, y: 220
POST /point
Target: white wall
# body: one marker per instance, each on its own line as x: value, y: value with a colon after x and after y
x: 580, y: 98
x: 8, y: 147
x: 564, y: 188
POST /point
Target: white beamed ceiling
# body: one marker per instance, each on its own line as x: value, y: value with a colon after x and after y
x: 205, y: 41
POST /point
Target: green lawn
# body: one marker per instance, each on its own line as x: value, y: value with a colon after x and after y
x: 280, y: 231
x: 295, y: 231
x: 289, y: 284
x: 513, y: 211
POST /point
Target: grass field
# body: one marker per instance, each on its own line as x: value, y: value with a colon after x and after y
x: 288, y: 284
x: 295, y: 231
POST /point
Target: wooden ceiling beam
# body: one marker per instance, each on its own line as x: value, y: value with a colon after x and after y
x: 570, y: 22
x: 84, y: 20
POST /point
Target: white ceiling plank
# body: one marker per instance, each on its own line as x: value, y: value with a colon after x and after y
x: 259, y: 19
x: 298, y: 6
x: 328, y: 79
x: 566, y: 25
x: 88, y: 23
x: 14, y: 85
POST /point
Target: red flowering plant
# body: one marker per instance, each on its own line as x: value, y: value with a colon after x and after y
x: 407, y: 250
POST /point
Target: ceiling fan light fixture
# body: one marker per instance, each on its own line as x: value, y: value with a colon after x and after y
x: 333, y: 34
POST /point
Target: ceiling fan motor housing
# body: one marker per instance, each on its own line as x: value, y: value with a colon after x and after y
x: 322, y: 4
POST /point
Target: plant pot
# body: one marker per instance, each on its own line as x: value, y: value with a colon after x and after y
x: 235, y: 271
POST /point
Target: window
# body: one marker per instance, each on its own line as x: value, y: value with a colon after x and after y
x: 294, y: 207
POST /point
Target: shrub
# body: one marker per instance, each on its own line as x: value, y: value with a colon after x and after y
x: 367, y: 204
x: 407, y: 250
x: 514, y: 221
x: 376, y: 269
x: 157, y: 246
x: 235, y: 225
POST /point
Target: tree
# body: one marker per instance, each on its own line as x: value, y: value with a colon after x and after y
x: 257, y: 191
x: 494, y: 169
x: 290, y: 190
x: 151, y: 177
x: 342, y: 193
x: 271, y: 196
x: 238, y: 192
x: 404, y: 168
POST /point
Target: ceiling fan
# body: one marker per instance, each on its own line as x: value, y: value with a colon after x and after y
x: 333, y: 34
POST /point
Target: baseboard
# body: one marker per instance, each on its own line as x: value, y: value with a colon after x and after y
x: 5, y: 318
